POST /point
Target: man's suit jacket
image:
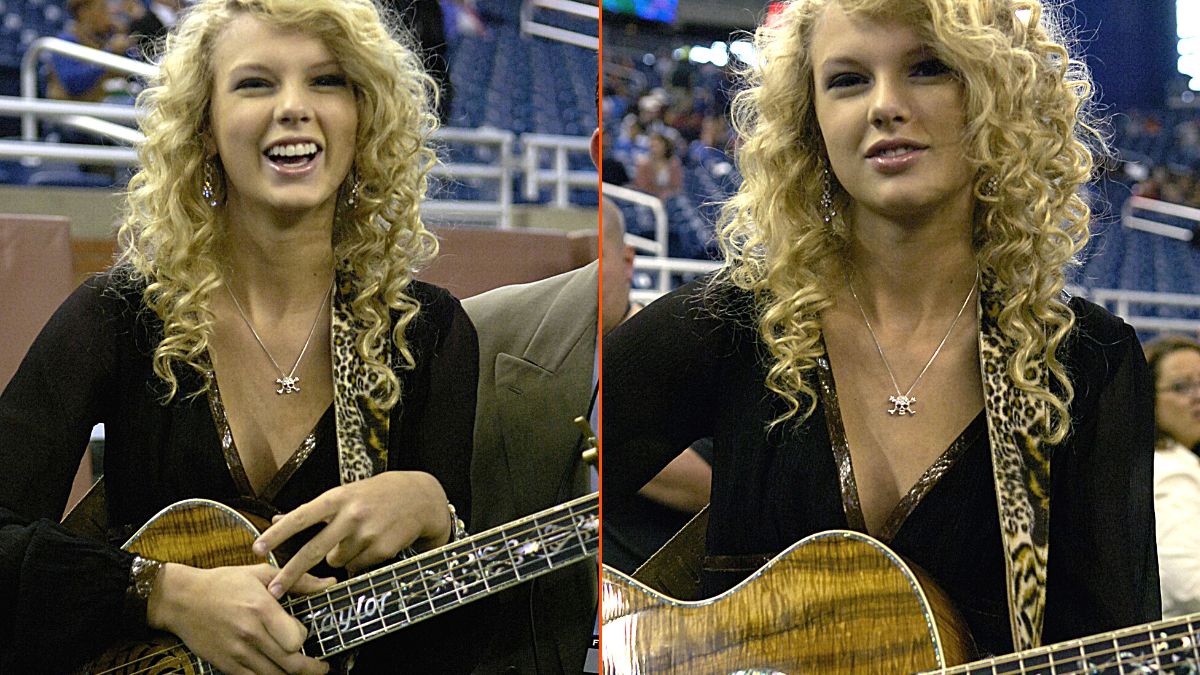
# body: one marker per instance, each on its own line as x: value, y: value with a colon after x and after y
x: 536, y: 355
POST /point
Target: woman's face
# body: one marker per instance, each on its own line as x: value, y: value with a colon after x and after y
x: 283, y: 117
x: 1177, y: 397
x: 658, y: 147
x: 891, y: 116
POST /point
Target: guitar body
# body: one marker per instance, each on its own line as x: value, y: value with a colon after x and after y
x: 195, y: 532
x: 344, y: 616
x: 836, y: 602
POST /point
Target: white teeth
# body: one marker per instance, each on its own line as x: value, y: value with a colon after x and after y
x: 292, y: 150
x: 894, y: 152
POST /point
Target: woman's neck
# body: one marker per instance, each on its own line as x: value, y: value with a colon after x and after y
x: 916, y: 268
x: 279, y: 266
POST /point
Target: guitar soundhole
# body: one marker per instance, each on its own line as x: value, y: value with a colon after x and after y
x: 161, y: 657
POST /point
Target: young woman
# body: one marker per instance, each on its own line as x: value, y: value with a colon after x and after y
x: 260, y: 340
x: 888, y: 347
x: 1175, y: 363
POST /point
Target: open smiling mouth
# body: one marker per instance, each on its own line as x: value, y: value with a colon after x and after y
x: 292, y: 155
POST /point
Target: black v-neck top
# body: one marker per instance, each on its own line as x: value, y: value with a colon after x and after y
x: 61, y: 596
x: 691, y: 365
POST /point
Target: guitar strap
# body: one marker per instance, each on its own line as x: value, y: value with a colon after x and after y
x: 1021, y: 470
x: 361, y: 424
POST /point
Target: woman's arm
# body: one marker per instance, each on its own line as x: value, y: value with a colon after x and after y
x: 660, y: 388
x: 1103, y: 566
x: 63, y: 595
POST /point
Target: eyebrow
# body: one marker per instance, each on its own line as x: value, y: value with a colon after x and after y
x: 850, y: 61
x: 256, y: 67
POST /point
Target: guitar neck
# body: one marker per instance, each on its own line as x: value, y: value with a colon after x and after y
x: 1163, y: 646
x: 353, y: 612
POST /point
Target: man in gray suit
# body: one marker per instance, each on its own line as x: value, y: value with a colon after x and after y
x: 537, y: 346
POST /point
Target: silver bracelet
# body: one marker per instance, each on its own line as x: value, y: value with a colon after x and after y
x: 458, y: 529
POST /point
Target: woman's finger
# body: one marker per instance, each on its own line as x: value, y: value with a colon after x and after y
x: 309, y: 555
x: 290, y: 524
x: 345, y: 551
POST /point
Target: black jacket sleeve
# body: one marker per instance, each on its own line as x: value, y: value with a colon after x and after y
x: 660, y: 373
x: 62, y: 596
x: 1103, y: 566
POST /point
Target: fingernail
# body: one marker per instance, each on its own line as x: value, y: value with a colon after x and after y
x: 259, y: 548
x: 276, y: 589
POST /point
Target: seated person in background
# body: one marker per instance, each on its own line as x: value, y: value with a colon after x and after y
x: 681, y: 489
x: 93, y: 25
x: 1175, y: 363
x: 659, y: 173
x: 261, y: 342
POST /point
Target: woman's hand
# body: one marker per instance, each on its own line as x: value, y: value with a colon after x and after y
x: 227, y: 617
x: 368, y: 522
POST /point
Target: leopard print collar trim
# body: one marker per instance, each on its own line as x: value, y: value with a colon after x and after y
x: 1021, y: 470
x: 362, y: 425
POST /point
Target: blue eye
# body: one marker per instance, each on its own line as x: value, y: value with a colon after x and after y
x: 845, y: 80
x: 331, y: 81
x: 251, y: 83
x: 931, y: 68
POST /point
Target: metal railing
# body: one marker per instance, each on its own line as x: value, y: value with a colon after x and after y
x: 561, y: 176
x: 531, y: 27
x: 666, y: 269
x: 29, y: 68
x: 658, y: 245
x: 1121, y: 302
x: 501, y: 171
x: 1165, y: 208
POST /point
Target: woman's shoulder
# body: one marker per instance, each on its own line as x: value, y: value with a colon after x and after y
x: 1102, y: 347
x: 436, y: 302
x: 710, y: 315
x: 1096, y: 325
x: 114, y: 294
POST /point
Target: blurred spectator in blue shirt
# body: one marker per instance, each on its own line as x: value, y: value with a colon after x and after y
x: 93, y: 26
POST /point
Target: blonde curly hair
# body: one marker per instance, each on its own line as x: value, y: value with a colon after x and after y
x: 171, y: 238
x: 1030, y: 131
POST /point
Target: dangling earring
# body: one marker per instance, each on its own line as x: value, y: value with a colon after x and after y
x: 827, y: 210
x: 352, y: 196
x: 206, y: 189
x: 992, y: 187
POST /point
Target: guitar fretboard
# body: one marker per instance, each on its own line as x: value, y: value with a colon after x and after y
x: 353, y: 612
x: 1168, y: 646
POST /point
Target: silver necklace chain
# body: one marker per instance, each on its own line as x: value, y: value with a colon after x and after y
x: 289, y: 383
x: 902, y: 403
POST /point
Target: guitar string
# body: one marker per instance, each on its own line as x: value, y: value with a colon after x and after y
x: 1133, y: 659
x: 417, y: 571
x: 415, y: 577
x: 202, y: 665
x: 421, y: 567
x: 339, y: 642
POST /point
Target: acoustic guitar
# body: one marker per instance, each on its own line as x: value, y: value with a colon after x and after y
x: 207, y: 534
x: 841, y: 602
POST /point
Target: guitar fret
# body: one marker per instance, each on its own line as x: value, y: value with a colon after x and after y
x: 1067, y: 658
x: 350, y: 613
x: 395, y: 585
